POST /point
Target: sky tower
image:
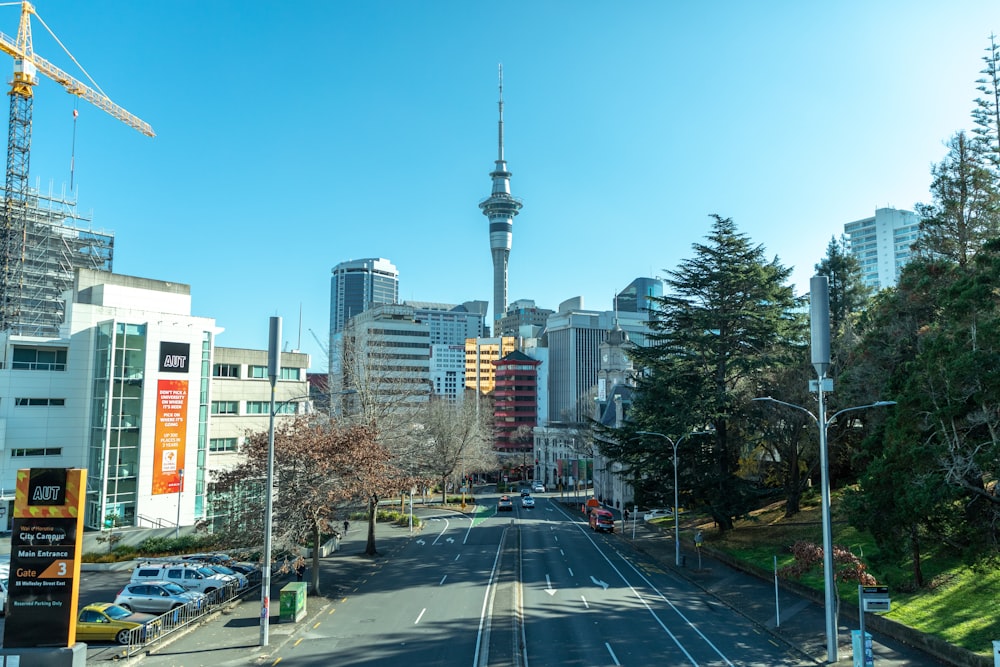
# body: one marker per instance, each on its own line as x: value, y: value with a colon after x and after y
x: 500, y: 207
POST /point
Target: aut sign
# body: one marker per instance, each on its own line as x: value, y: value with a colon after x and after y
x: 44, y: 558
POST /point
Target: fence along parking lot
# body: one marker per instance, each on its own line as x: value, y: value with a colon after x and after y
x: 170, y: 622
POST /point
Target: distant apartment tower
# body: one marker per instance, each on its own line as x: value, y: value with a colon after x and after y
x: 882, y: 244
x: 357, y: 285
x: 500, y: 208
x: 515, y: 402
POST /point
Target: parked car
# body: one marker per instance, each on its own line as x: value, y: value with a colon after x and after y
x: 525, y: 491
x: 187, y: 575
x: 243, y: 567
x: 107, y: 622
x: 505, y: 505
x: 156, y: 597
x: 538, y: 487
x: 527, y: 502
x: 656, y: 514
x: 229, y: 572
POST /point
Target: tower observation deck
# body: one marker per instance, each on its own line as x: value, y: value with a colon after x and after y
x: 500, y: 208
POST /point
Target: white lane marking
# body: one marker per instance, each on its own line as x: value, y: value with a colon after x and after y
x: 442, y: 580
x: 548, y: 586
x: 570, y: 571
x: 652, y: 612
x: 446, y: 524
x: 458, y: 556
x: 613, y: 656
x: 420, y: 615
x: 585, y: 602
x: 481, y: 645
x: 562, y: 553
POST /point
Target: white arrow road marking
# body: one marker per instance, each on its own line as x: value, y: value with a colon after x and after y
x: 548, y: 586
x: 421, y: 542
x: 450, y: 540
x: 598, y: 582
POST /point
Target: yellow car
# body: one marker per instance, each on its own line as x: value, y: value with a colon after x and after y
x: 107, y: 622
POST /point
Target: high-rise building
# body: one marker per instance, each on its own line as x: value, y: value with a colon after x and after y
x: 522, y: 313
x: 882, y: 244
x: 480, y: 353
x: 500, y: 208
x: 515, y: 402
x: 638, y: 296
x: 386, y: 357
x: 357, y: 285
x: 451, y: 324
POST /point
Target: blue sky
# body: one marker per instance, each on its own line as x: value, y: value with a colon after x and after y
x: 294, y: 136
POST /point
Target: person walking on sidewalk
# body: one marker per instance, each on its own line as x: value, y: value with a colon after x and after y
x: 347, y: 524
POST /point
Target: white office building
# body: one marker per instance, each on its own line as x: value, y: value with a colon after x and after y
x: 130, y: 390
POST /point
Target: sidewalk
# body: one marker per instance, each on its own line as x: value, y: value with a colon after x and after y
x: 802, y: 621
x: 232, y: 636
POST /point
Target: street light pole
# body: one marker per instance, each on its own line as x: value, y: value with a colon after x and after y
x: 273, y: 365
x: 677, y: 518
x: 822, y: 423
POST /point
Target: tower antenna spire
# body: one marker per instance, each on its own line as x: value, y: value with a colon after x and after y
x: 500, y: 104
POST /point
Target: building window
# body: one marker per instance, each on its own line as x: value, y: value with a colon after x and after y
x: 41, y: 451
x: 38, y: 359
x: 222, y: 445
x: 257, y: 372
x: 258, y: 407
x: 225, y: 407
x: 289, y: 373
x: 226, y: 370
x: 34, y: 402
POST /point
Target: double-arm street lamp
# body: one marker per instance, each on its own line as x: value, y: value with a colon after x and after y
x: 677, y: 519
x: 822, y: 422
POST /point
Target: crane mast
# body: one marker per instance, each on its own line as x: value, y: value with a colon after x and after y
x: 13, y: 225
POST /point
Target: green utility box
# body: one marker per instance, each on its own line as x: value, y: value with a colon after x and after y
x: 293, y: 602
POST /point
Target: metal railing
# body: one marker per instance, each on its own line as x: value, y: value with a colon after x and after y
x: 139, y: 639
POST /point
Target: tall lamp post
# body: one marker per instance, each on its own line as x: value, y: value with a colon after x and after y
x: 273, y: 366
x: 824, y: 463
x: 677, y: 518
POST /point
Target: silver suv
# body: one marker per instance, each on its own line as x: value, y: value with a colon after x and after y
x: 186, y: 575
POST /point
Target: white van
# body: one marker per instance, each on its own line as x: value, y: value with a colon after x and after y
x: 186, y: 575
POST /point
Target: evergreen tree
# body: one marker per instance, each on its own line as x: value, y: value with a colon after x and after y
x: 965, y: 207
x: 986, y: 113
x: 726, y: 316
x: 848, y: 294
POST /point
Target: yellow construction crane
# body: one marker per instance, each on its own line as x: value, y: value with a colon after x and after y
x: 27, y: 65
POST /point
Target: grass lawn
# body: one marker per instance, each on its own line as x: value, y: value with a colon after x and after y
x: 959, y: 604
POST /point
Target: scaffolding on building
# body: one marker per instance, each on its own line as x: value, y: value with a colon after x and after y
x: 57, y: 240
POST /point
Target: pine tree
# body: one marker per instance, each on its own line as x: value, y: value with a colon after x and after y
x: 727, y: 315
x: 848, y: 294
x: 986, y: 113
x: 965, y: 210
